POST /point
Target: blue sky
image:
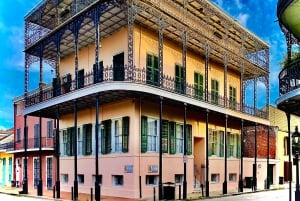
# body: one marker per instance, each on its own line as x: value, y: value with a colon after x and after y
x: 259, y: 16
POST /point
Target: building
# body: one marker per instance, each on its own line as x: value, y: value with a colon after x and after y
x: 37, y: 147
x: 6, y: 158
x: 145, y: 92
x: 288, y: 101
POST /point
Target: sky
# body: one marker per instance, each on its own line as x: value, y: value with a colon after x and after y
x: 259, y: 16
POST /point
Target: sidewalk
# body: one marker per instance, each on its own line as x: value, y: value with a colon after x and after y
x: 64, y: 196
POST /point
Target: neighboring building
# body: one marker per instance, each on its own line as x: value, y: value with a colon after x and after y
x: 34, y: 152
x: 278, y: 119
x: 6, y: 158
x: 161, y: 84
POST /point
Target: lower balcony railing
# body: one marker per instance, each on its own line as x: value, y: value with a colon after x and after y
x: 34, y: 143
x: 66, y: 85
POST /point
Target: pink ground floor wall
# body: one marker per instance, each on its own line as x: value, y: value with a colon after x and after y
x: 143, y: 166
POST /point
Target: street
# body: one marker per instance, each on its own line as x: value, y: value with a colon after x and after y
x: 273, y: 195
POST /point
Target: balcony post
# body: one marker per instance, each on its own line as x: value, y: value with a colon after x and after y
x: 160, y: 194
x: 241, y: 183
x: 184, y: 154
x: 75, y: 151
x: 225, y: 157
x: 57, y: 148
x: 254, y: 183
x: 207, y: 159
x: 25, y: 180
x: 97, y: 185
x: 40, y: 182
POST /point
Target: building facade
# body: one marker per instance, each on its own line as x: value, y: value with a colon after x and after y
x: 145, y: 92
x: 37, y: 147
x: 6, y: 158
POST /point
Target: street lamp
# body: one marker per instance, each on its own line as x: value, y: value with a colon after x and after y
x: 296, y: 151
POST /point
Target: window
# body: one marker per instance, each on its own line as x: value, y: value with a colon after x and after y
x: 214, y: 92
x: 98, y: 72
x: 232, y: 98
x: 36, y: 135
x: 36, y: 171
x: 106, y: 137
x: 177, y: 140
x: 198, y: 86
x: 49, y: 172
x: 68, y: 141
x: 165, y: 135
x: 216, y: 143
x: 232, y: 177
x: 19, y: 111
x: 80, y: 79
x: 152, y: 72
x: 178, y: 178
x: 215, y: 178
x: 50, y: 129
x: 18, y: 135
x: 231, y: 144
x: 80, y: 178
x: 65, y: 178
x: 121, y: 134
x: 151, y: 179
x: 10, y: 169
x: 179, y: 79
x: 87, y: 139
x: 79, y: 142
x: 149, y: 134
x: 118, y: 180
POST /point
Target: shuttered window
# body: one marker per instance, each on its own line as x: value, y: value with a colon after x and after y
x: 189, y: 140
x: 152, y: 74
x: 198, y: 86
x: 125, y: 134
x: 179, y: 79
x: 214, y: 92
x: 106, y: 137
x: 87, y: 139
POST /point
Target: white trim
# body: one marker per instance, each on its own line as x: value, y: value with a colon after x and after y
x: 129, y: 86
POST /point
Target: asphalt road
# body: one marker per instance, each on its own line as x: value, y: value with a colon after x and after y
x: 272, y: 195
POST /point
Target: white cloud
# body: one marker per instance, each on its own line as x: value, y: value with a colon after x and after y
x: 242, y: 18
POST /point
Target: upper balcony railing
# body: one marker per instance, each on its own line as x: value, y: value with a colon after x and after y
x: 289, y: 77
x: 66, y: 85
x: 7, y: 146
x: 34, y: 143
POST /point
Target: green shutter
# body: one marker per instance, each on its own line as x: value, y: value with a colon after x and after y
x: 106, y: 137
x: 210, y: 140
x: 84, y: 133
x: 189, y: 137
x: 165, y: 135
x: 144, y: 136
x: 70, y: 143
x: 238, y: 147
x: 172, y: 135
x: 125, y: 134
x: 198, y: 86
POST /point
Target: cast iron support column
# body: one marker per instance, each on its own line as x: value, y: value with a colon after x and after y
x: 207, y: 159
x: 225, y: 157
x: 75, y: 152
x: 254, y: 184
x: 25, y: 178
x: 288, y: 116
x: 97, y: 186
x: 57, y: 142
x: 184, y: 155
x: 268, y: 159
x: 241, y: 183
x: 40, y: 183
x: 160, y: 194
x: 297, y: 192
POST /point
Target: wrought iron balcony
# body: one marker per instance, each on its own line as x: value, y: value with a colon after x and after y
x: 33, y: 143
x: 289, y: 77
x: 136, y: 75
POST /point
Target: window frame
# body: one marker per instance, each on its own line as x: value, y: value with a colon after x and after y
x: 152, y: 69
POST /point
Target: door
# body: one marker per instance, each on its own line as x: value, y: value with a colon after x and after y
x: 270, y: 173
x: 3, y: 171
x: 49, y: 173
x: 118, y: 67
